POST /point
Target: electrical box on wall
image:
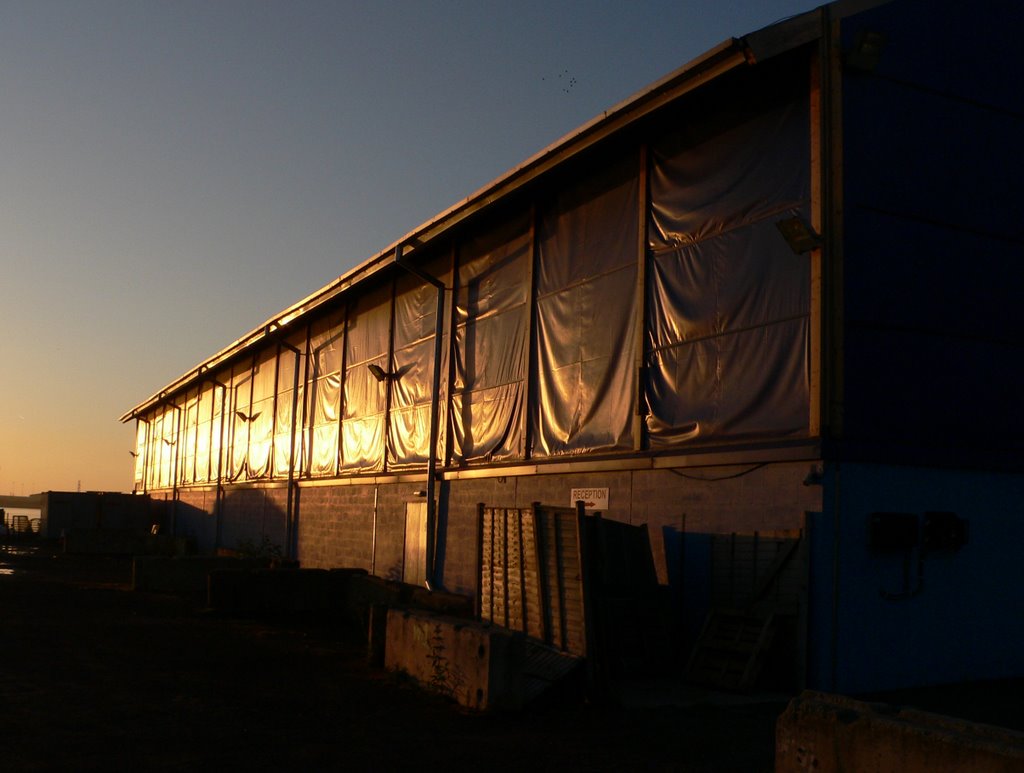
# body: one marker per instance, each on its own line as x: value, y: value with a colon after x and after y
x: 943, y: 531
x: 892, y: 531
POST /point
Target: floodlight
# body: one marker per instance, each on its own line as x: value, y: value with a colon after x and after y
x: 800, y: 236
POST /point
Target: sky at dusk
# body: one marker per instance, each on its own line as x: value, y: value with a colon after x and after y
x: 174, y: 173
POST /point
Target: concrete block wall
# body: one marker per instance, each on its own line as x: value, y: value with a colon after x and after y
x: 766, y: 498
x: 244, y: 514
x: 832, y: 733
x: 477, y: 665
x: 389, y: 557
x: 457, y: 560
x: 196, y: 517
x: 250, y: 514
x: 335, y: 523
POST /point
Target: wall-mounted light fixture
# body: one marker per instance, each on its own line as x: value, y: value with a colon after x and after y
x: 866, y: 53
x: 379, y: 373
x: 799, y: 236
x: 815, y: 476
x: 244, y: 417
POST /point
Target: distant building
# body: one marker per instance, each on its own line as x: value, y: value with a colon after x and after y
x: 778, y: 290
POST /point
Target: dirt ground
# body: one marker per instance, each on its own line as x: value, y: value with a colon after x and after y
x: 94, y: 676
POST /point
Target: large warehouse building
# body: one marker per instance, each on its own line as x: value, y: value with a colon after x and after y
x: 773, y: 297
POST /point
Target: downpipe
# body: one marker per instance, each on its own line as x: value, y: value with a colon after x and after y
x: 435, y: 399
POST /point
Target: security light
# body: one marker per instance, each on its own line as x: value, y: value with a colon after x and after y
x: 378, y: 372
x: 800, y: 236
x: 867, y: 52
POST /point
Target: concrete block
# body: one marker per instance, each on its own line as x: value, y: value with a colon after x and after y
x: 183, y: 574
x: 477, y: 665
x: 274, y: 592
x: 368, y: 598
x: 377, y: 630
x: 123, y: 542
x: 831, y: 733
x: 441, y: 602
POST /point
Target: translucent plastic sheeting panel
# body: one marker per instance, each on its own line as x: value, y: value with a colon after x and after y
x: 585, y: 335
x: 153, y: 449
x: 239, y: 407
x: 220, y: 427
x: 261, y: 414
x: 728, y: 301
x: 141, y: 430
x: 167, y: 443
x: 290, y: 366
x: 413, y: 366
x: 203, y: 429
x: 326, y: 346
x: 149, y: 475
x: 187, y: 444
x: 363, y: 417
x: 492, y: 317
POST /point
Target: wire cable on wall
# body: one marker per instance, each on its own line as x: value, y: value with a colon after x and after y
x: 740, y: 474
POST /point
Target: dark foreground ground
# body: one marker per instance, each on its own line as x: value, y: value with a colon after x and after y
x: 96, y: 677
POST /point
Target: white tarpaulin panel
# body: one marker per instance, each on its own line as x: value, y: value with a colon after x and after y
x: 238, y: 419
x: 585, y: 335
x: 288, y: 409
x: 325, y: 350
x: 727, y: 299
x: 366, y: 343
x: 261, y: 415
x: 413, y: 366
x: 492, y: 317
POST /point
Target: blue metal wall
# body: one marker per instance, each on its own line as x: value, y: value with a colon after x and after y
x: 966, y: 619
x: 934, y: 237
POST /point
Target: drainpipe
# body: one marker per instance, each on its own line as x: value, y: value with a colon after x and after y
x: 289, y: 527
x: 175, y: 449
x: 373, y: 536
x: 146, y: 453
x: 435, y: 397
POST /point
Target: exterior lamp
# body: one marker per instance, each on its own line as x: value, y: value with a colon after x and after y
x: 867, y: 51
x: 378, y: 372
x: 799, y: 236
